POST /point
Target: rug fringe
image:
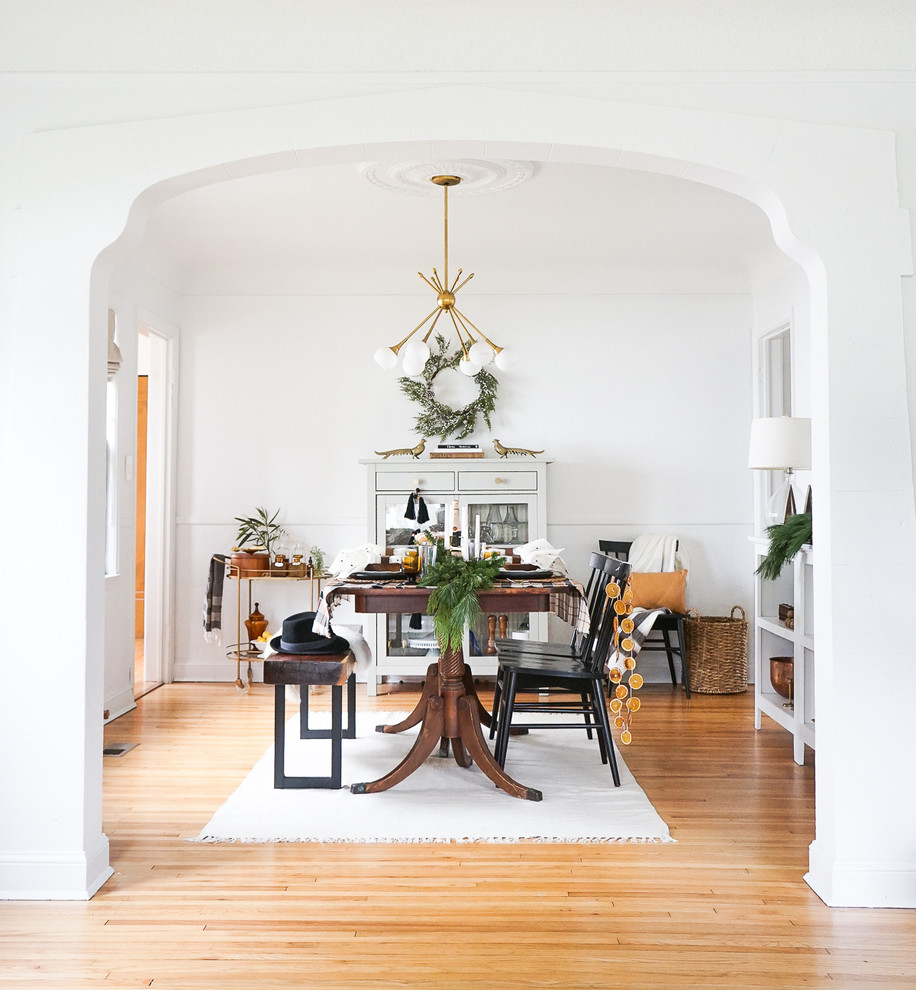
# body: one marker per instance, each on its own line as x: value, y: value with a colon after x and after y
x: 433, y: 840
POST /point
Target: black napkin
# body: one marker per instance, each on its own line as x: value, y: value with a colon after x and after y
x: 420, y: 513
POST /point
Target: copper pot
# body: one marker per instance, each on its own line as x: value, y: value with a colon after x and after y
x: 782, y: 673
x: 250, y: 563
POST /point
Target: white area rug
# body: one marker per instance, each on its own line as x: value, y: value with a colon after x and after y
x: 440, y: 802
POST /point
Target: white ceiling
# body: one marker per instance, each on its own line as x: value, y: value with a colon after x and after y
x: 328, y: 230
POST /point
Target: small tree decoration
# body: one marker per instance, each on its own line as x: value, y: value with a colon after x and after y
x: 438, y: 419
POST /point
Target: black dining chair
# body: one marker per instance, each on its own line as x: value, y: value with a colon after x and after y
x: 579, y: 643
x: 601, y: 570
x: 581, y: 676
x: 666, y: 625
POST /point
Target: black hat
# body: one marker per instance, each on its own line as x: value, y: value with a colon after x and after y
x: 298, y: 637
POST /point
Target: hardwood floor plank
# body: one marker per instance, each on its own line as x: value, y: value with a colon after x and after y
x: 724, y: 907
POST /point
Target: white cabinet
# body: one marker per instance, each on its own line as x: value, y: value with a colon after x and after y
x: 509, y: 497
x: 773, y: 638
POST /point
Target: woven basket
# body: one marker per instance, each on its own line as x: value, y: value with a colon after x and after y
x: 717, y: 652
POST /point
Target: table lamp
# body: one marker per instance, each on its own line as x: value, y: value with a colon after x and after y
x: 780, y: 443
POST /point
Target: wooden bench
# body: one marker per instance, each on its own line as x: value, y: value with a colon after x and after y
x: 333, y: 670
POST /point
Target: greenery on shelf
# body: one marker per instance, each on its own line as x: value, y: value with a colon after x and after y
x: 786, y: 539
x: 455, y: 582
x: 317, y: 559
x: 258, y: 532
x: 438, y: 419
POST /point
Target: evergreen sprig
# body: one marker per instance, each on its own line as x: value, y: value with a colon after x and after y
x: 453, y: 603
x: 438, y: 419
x: 786, y: 539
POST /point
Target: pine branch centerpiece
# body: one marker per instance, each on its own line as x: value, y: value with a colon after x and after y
x: 453, y: 603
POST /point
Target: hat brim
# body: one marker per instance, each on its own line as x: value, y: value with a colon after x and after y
x: 318, y: 646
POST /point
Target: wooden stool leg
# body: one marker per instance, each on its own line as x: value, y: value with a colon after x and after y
x: 350, y: 732
x: 336, y: 726
x: 279, y: 735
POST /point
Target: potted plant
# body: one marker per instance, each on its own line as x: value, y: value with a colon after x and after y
x: 256, y: 535
x: 455, y: 582
x: 786, y: 539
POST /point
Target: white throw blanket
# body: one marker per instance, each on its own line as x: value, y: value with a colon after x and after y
x: 651, y: 553
x: 654, y: 552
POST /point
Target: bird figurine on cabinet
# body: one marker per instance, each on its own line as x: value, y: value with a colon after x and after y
x: 515, y: 451
x: 403, y: 451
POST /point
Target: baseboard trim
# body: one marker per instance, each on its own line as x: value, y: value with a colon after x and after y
x: 51, y: 875
x: 862, y: 883
x: 120, y: 705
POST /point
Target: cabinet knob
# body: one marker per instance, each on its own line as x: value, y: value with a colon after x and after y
x: 497, y: 481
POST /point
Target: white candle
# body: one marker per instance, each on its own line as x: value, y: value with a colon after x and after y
x: 477, y: 534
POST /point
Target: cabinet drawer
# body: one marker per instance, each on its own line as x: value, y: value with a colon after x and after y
x: 426, y: 481
x: 497, y: 481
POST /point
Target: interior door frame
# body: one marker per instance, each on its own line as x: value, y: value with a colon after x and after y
x: 162, y: 420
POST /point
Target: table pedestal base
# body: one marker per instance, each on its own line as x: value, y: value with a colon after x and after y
x: 449, y: 713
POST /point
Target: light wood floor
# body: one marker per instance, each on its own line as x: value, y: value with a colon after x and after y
x: 724, y: 907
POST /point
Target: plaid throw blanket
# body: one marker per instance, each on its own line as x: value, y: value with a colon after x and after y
x: 571, y: 606
x: 213, y: 603
x: 644, y: 618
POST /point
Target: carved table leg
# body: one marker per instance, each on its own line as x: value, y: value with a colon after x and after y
x: 430, y: 690
x: 461, y: 756
x: 491, y: 635
x: 472, y: 737
x: 453, y: 714
x: 430, y: 733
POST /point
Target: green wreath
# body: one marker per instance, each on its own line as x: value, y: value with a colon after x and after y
x: 438, y: 419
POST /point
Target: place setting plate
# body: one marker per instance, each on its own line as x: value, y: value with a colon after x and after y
x: 375, y: 576
x: 519, y: 574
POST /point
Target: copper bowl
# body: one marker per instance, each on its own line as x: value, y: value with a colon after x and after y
x: 782, y: 671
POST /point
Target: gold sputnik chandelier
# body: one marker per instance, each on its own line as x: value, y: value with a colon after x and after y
x: 477, y: 349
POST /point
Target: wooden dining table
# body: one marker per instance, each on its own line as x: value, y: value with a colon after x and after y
x: 449, y: 712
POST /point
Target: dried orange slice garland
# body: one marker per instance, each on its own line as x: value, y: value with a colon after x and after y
x: 624, y: 681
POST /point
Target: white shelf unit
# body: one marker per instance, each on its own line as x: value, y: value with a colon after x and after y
x: 772, y: 638
x: 510, y: 495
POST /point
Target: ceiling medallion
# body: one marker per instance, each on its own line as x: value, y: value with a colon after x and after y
x: 477, y: 176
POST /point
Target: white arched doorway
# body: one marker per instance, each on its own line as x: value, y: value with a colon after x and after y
x: 809, y: 180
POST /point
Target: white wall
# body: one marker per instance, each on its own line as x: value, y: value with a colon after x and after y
x: 645, y: 412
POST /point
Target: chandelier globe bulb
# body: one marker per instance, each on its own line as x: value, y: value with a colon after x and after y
x: 506, y: 359
x: 417, y: 350
x: 385, y: 357
x: 413, y: 365
x: 481, y: 353
x: 468, y: 367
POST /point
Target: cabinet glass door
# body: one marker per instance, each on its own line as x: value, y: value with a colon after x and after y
x: 397, y: 530
x: 504, y: 521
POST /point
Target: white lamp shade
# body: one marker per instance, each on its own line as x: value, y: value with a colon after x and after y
x: 779, y: 443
